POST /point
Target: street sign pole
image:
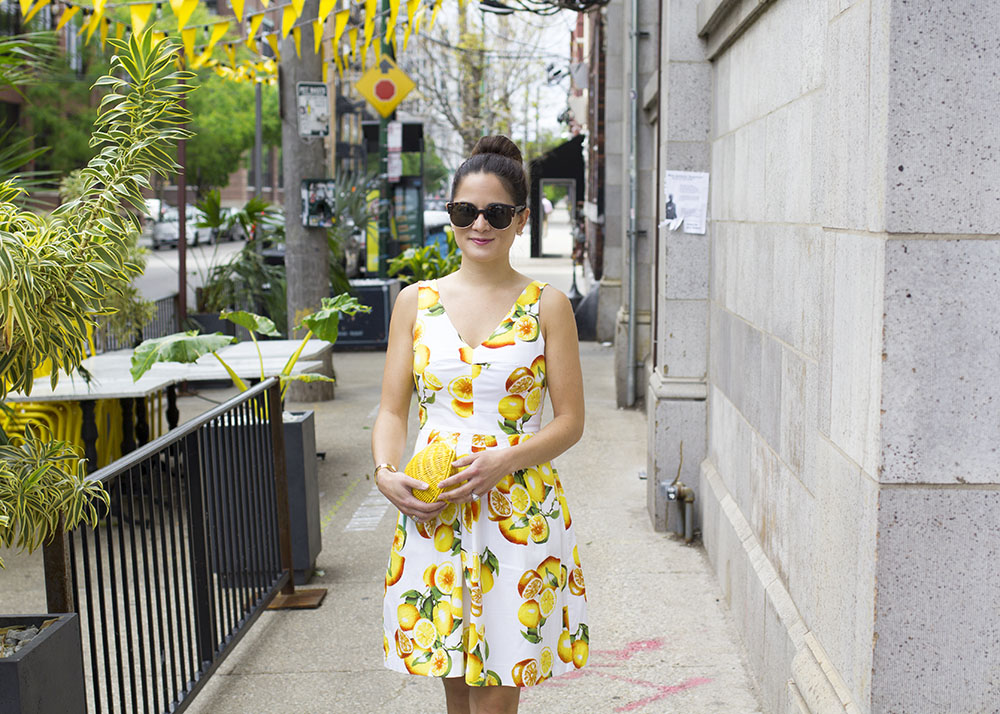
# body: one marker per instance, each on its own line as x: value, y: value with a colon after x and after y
x: 385, y: 188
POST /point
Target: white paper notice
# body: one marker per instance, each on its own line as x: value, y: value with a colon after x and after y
x: 686, y: 194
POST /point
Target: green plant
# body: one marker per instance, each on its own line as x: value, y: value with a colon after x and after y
x: 426, y: 263
x: 60, y: 272
x: 187, y: 347
x: 246, y: 280
x: 350, y: 215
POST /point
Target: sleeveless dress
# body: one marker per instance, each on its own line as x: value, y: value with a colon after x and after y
x: 492, y: 590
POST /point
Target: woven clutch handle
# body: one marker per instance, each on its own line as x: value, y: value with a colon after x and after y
x: 432, y: 465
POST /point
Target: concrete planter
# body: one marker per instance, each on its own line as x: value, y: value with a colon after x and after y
x: 46, y: 675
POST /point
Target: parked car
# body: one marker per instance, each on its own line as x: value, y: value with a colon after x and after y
x: 166, y: 228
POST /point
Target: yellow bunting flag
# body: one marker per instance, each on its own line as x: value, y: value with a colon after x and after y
x: 326, y: 7
x: 390, y: 30
x: 95, y: 18
x: 287, y: 20
x: 119, y: 30
x: 159, y: 36
x: 352, y: 40
x: 219, y: 30
x: 25, y: 6
x: 251, y: 41
x: 66, y: 16
x: 370, y: 7
x: 317, y: 34
x: 182, y: 11
x: 297, y: 36
x: 272, y: 40
x: 188, y: 35
x: 418, y: 20
x: 238, y: 9
x: 231, y: 54
x: 411, y: 9
x: 434, y: 14
x: 297, y: 7
x: 140, y: 16
x: 34, y: 11
x: 340, y: 23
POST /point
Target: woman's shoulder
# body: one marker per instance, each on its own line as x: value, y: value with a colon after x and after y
x: 407, y: 298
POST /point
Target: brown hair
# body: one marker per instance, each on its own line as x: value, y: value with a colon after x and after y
x: 499, y: 156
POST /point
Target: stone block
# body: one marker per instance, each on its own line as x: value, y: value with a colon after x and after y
x: 940, y: 391
x: 824, y: 407
x: 937, y: 637
x: 769, y: 516
x: 721, y: 96
x: 674, y: 422
x: 769, y: 391
x: 689, y: 93
x: 856, y: 360
x: 750, y: 180
x: 729, y: 448
x: 799, y: 392
x: 796, y: 309
x: 685, y: 267
x: 941, y: 173
x: 778, y: 654
x: 689, y: 156
x: 681, y: 19
x: 683, y: 337
x: 834, y: 582
x: 845, y: 104
x: 788, y: 162
x: 719, y: 238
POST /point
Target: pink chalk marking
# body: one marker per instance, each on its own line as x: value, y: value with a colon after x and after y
x: 632, y: 648
x: 664, y: 692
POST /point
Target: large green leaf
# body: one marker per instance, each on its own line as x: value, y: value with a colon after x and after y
x: 325, y: 322
x: 182, y: 347
x: 253, y: 322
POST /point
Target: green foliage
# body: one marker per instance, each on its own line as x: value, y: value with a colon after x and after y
x: 223, y: 122
x: 59, y: 272
x: 435, y: 177
x: 554, y: 192
x: 183, y: 347
x: 325, y: 322
x: 427, y: 263
x: 246, y: 280
x: 255, y: 324
x: 41, y: 481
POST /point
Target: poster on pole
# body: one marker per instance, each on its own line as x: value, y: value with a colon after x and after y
x: 686, y: 196
x: 313, y: 109
x: 318, y: 197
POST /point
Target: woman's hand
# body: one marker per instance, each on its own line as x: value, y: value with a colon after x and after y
x: 398, y: 488
x: 480, y: 472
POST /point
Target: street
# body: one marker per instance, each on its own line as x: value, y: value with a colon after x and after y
x: 160, y: 278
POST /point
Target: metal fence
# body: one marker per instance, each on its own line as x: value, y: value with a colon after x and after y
x: 164, y: 323
x: 193, y: 548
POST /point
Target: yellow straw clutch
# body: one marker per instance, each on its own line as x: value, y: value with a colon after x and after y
x: 432, y: 465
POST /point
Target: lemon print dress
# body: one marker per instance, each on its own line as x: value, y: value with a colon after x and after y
x: 491, y: 591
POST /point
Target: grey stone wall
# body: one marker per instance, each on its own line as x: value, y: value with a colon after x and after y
x: 849, y: 495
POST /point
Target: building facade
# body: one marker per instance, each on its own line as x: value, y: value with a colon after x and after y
x: 820, y: 367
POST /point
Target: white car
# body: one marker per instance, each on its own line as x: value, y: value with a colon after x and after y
x: 167, y: 228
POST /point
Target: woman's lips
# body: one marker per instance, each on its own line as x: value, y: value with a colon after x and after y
x: 481, y: 241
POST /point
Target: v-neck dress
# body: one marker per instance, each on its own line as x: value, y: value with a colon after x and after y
x: 492, y: 590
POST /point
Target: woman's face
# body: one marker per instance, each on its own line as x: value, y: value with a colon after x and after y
x: 481, y: 241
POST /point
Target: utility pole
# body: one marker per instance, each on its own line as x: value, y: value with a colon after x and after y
x: 307, y: 254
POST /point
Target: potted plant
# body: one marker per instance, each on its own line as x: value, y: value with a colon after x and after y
x: 58, y: 274
x: 299, y: 427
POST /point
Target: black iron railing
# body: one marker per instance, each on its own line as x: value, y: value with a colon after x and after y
x: 164, y: 323
x: 193, y: 548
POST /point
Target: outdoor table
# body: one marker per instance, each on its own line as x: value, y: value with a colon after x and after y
x: 316, y: 349
x: 111, y: 380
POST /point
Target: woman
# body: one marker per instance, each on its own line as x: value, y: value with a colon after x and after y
x: 484, y: 586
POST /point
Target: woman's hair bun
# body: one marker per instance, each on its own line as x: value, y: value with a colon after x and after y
x: 498, y: 144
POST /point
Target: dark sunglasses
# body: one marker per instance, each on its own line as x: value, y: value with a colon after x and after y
x: 499, y: 215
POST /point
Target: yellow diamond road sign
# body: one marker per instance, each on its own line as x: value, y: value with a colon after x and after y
x: 384, y: 86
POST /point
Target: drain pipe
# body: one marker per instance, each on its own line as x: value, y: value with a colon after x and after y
x: 678, y: 491
x: 633, y: 200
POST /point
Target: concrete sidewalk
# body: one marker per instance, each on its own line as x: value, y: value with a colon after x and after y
x: 661, y: 640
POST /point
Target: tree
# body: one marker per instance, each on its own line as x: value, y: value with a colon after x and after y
x: 223, y: 115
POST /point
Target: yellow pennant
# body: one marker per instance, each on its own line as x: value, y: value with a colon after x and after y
x: 238, y: 9
x: 25, y: 6
x: 411, y: 9
x: 84, y: 24
x: 317, y: 34
x: 390, y: 30
x: 219, y: 30
x: 434, y: 14
x: 352, y: 40
x: 140, y: 16
x: 378, y: 51
x: 34, y: 11
x: 105, y: 26
x: 326, y: 7
x: 159, y: 36
x: 297, y: 36
x: 420, y: 18
x: 287, y: 20
x: 255, y: 22
x: 119, y: 30
x: 187, y: 35
x: 95, y: 20
x: 272, y: 40
x: 66, y: 16
x: 370, y: 6
x: 297, y: 7
x: 340, y: 23
x: 182, y: 11
x: 265, y: 3
x: 231, y: 54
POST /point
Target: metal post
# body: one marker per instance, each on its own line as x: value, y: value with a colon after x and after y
x: 258, y: 144
x: 58, y: 575
x: 201, y: 561
x: 385, y: 188
x: 182, y: 225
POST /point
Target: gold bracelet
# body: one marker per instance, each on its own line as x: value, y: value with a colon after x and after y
x: 379, y: 468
